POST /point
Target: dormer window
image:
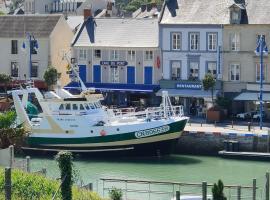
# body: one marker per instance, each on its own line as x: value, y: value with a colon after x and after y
x: 235, y: 16
x: 235, y: 13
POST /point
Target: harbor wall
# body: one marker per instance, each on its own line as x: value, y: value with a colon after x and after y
x: 209, y: 143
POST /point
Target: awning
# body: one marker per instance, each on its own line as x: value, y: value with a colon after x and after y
x: 105, y: 87
x: 252, y: 96
x: 188, y: 93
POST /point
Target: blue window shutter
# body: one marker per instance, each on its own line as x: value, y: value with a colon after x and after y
x: 148, y: 75
x: 82, y: 72
x: 131, y: 75
x: 97, y: 74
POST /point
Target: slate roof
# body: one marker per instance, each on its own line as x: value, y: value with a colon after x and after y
x: 118, y: 32
x: 18, y: 26
x: 214, y: 11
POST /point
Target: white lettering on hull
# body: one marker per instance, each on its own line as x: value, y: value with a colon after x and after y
x: 151, y: 132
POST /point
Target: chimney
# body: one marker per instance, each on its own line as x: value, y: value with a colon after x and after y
x: 87, y: 13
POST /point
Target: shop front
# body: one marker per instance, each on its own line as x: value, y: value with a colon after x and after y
x: 190, y: 94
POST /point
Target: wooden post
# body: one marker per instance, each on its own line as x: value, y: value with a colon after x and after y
x: 11, y: 155
x: 28, y: 164
x: 238, y: 192
x: 267, y: 186
x: 204, y: 190
x: 7, y: 183
x: 254, y: 188
x: 177, y: 195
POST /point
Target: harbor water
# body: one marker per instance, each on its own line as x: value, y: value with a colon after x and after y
x: 177, y: 168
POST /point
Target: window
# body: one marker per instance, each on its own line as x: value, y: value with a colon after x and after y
x: 97, y: 53
x: 34, y: 70
x: 14, y: 69
x: 81, y: 107
x: 235, y: 72
x: 212, y: 42
x: 235, y: 16
x: 194, y: 70
x: 114, y: 74
x: 68, y: 107
x: 114, y: 54
x: 82, y: 54
x: 212, y: 68
x: 61, y: 107
x: 14, y: 46
x: 176, y: 70
x: 148, y: 55
x: 235, y: 41
x: 92, y: 106
x: 86, y: 106
x: 258, y: 72
x: 74, y: 106
x: 34, y: 46
x: 131, y: 55
x: 194, y: 41
x: 176, y: 41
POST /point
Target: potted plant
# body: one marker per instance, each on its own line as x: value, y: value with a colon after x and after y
x: 115, y: 194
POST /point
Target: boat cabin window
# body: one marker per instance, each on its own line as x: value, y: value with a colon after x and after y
x: 68, y: 107
x: 75, y: 107
x: 86, y: 106
x: 91, y: 106
x: 97, y: 104
x: 61, y: 107
x: 81, y: 107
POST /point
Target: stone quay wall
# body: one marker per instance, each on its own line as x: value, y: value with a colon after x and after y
x: 209, y: 143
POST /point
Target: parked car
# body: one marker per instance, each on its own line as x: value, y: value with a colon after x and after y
x: 257, y: 115
x: 245, y: 115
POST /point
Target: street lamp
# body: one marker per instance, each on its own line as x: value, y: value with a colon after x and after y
x: 33, y: 46
x: 261, y: 50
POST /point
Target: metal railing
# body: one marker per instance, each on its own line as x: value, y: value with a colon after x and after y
x: 138, y: 189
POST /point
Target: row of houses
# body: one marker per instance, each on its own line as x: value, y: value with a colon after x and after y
x: 131, y: 60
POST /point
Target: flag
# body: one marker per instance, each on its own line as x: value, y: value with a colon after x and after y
x: 23, y: 46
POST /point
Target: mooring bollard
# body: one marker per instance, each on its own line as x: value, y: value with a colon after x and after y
x: 238, y: 192
x: 267, y: 186
x: 177, y: 195
x: 7, y: 183
x: 249, y: 126
x: 204, y: 190
x: 90, y: 186
x: 254, y: 187
x: 28, y: 163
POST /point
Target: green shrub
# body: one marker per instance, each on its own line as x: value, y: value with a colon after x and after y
x: 217, y: 191
x: 115, y: 194
x: 27, y: 186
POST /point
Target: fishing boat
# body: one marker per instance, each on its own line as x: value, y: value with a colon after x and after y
x: 81, y: 124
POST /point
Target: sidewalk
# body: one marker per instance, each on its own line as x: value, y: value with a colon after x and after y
x: 225, y: 129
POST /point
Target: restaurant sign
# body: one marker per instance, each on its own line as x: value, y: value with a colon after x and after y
x: 185, y: 85
x: 114, y: 63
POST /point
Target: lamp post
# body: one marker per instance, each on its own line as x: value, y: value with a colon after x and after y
x: 33, y: 45
x: 261, y: 50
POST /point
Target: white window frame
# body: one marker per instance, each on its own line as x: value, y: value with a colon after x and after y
x: 82, y: 54
x: 194, y: 41
x: 114, y: 54
x: 176, y: 41
x: 194, y: 73
x: 233, y: 68
x: 175, y: 75
x: 258, y: 72
x: 11, y: 67
x: 235, y: 41
x: 95, y: 55
x: 212, y: 41
x: 211, y: 71
x: 131, y: 55
x: 114, y: 77
x: 148, y: 55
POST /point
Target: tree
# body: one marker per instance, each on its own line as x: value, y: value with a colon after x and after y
x: 50, y: 76
x: 209, y: 83
x: 217, y: 191
x: 5, y: 79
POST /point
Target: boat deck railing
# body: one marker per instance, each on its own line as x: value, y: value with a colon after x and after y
x: 148, y: 190
x: 151, y: 112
